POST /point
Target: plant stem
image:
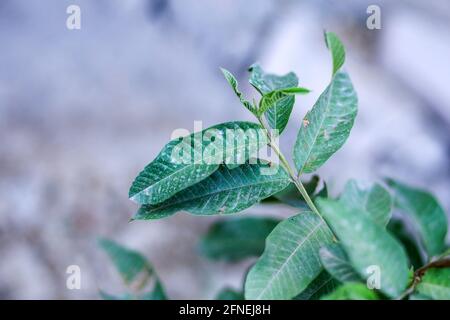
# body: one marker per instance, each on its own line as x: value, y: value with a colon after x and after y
x: 418, y: 274
x: 295, y: 178
x: 409, y: 290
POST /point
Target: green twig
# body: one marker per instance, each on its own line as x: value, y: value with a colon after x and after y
x: 295, y: 178
x: 418, y: 274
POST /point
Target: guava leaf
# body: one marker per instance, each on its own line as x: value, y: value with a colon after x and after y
x: 278, y: 97
x: 234, y: 85
x: 107, y: 296
x: 408, y: 240
x: 229, y: 294
x: 236, y: 239
x: 157, y: 293
x: 435, y: 284
x: 291, y: 196
x: 323, y: 284
x: 367, y: 245
x: 266, y: 82
x: 374, y: 200
x: 184, y: 162
x: 426, y: 213
x: 290, y: 261
x: 418, y: 296
x: 225, y: 191
x: 128, y: 262
x: 335, y: 261
x: 327, y: 125
x: 133, y: 267
x: 337, y: 50
x: 352, y: 291
x: 278, y: 115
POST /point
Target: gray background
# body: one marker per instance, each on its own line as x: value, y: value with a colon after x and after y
x: 81, y: 112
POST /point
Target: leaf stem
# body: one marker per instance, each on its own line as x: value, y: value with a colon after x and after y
x: 295, y: 178
x: 409, y: 290
x: 418, y: 274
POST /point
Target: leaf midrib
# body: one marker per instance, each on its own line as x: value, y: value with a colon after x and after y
x: 322, y: 285
x: 189, y: 166
x: 216, y: 192
x: 321, y: 124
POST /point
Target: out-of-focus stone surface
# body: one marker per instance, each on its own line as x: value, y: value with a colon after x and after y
x: 81, y: 112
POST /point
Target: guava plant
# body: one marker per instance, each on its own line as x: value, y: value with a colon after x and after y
x: 348, y: 247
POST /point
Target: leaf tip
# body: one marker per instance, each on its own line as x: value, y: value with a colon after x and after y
x: 336, y: 47
x: 103, y: 242
x: 227, y: 74
x: 325, y: 32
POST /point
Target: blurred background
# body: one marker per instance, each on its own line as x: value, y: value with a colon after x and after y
x: 82, y: 112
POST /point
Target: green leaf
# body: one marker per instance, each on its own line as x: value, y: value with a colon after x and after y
x: 266, y: 82
x: 407, y: 239
x: 290, y: 261
x: 278, y: 115
x: 234, y: 85
x: 426, y: 213
x: 157, y: 293
x: 335, y: 261
x: 323, y: 193
x: 184, y: 162
x: 327, y: 125
x: 417, y: 296
x: 236, y: 239
x: 230, y: 294
x: 374, y: 200
x: 352, y: 291
x: 128, y: 262
x: 133, y: 267
x: 323, y: 284
x: 294, y: 90
x: 291, y: 196
x: 435, y: 284
x: 337, y: 50
x: 277, y: 97
x: 367, y: 244
x: 107, y: 296
x: 225, y: 191
x: 446, y: 253
x: 312, y: 184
